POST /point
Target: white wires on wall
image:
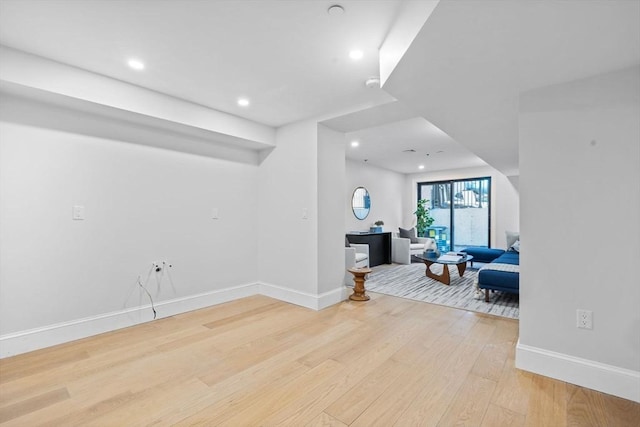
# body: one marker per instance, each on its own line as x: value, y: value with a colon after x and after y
x: 159, y: 270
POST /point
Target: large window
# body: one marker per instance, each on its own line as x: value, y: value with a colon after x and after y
x: 461, y: 210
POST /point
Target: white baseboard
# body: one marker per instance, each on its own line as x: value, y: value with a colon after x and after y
x: 314, y: 302
x: 335, y: 296
x: 47, y: 336
x: 608, y: 379
x: 34, y: 339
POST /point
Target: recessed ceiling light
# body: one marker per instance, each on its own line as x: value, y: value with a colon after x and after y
x: 356, y: 54
x: 421, y: 167
x: 136, y: 64
x: 355, y: 143
x: 243, y: 102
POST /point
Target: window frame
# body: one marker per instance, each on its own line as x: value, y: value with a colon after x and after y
x: 451, y: 195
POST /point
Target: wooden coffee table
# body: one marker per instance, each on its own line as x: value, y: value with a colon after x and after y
x: 444, y: 276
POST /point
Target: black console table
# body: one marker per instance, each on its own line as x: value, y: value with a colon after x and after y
x: 379, y: 246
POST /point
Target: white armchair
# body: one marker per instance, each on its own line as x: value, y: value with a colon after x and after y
x: 402, y: 248
x: 357, y: 255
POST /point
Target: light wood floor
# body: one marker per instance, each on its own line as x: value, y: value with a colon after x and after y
x: 258, y: 361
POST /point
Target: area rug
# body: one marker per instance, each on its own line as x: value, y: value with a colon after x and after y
x: 409, y: 281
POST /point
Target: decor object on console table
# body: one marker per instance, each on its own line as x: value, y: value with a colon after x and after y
x: 377, y: 228
x: 379, y: 246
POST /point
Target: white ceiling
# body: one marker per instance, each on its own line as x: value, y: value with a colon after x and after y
x: 400, y: 146
x: 472, y: 60
x: 387, y: 133
x: 290, y: 58
x: 463, y: 72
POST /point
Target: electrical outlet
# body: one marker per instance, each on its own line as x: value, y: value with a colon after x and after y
x: 585, y: 319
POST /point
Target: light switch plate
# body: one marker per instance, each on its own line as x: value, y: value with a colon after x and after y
x: 78, y: 212
x: 215, y: 214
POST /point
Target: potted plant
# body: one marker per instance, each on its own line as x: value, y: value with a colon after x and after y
x: 424, y: 220
x: 378, y: 227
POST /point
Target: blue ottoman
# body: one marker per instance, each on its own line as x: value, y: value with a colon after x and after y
x: 482, y: 254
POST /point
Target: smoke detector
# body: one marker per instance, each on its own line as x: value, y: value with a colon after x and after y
x: 372, y: 82
x: 335, y: 10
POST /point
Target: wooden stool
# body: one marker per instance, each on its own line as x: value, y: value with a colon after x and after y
x: 358, y: 289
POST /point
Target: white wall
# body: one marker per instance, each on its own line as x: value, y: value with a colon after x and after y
x: 504, y: 198
x: 393, y: 197
x: 142, y: 204
x: 385, y: 189
x: 580, y: 187
x: 331, y: 178
x: 63, y: 279
x: 300, y: 216
x: 287, y: 186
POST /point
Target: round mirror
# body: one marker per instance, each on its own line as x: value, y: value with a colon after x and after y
x: 361, y: 203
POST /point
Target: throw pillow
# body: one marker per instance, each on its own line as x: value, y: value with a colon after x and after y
x: 516, y: 246
x: 409, y: 234
x: 512, y: 236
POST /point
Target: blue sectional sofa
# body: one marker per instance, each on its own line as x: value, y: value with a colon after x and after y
x: 482, y: 254
x: 502, y: 273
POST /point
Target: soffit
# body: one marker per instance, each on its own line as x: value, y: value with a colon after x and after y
x: 289, y: 57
